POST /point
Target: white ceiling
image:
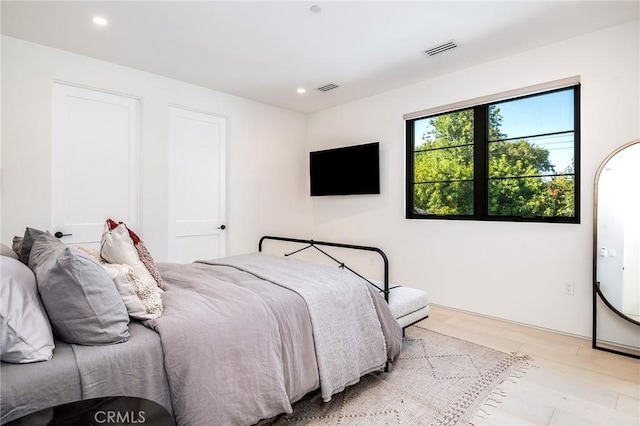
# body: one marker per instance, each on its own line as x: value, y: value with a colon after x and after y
x: 265, y: 50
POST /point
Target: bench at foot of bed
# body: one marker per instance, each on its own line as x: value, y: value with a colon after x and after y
x: 408, y: 305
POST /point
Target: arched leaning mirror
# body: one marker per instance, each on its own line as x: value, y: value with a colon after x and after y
x: 616, y: 253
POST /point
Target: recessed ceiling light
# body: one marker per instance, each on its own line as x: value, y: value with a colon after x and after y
x: 301, y: 91
x: 99, y: 20
x: 315, y: 8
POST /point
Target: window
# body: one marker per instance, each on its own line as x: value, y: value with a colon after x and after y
x: 516, y: 159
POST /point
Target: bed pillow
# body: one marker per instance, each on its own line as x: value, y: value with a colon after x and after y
x: 25, y: 331
x: 30, y: 235
x: 80, y: 298
x: 122, y: 245
x: 16, y: 245
x: 142, y: 298
x: 7, y: 251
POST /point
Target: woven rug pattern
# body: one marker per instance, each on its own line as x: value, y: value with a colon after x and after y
x: 438, y: 381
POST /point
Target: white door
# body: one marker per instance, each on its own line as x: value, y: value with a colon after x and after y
x: 197, y: 209
x: 95, y: 162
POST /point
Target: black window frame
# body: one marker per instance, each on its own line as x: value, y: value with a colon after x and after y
x: 481, y: 165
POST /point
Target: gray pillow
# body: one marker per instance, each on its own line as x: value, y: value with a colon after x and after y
x: 26, y: 334
x: 17, y: 245
x: 30, y: 235
x: 7, y: 251
x: 82, y: 302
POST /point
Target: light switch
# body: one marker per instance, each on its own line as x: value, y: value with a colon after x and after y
x: 603, y: 252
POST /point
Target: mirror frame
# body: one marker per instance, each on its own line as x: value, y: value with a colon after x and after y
x: 597, y: 293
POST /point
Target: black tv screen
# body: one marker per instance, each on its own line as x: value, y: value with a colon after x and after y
x: 345, y: 171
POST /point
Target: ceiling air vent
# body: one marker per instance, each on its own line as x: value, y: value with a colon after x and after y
x: 441, y: 48
x: 327, y: 87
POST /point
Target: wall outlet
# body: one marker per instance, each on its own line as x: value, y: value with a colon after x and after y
x: 569, y: 288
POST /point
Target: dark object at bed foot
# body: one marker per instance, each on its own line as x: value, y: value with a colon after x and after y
x: 112, y: 411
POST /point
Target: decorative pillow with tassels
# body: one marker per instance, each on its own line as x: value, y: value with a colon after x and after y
x: 121, y: 245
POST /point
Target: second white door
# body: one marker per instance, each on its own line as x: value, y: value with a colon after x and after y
x: 197, y: 211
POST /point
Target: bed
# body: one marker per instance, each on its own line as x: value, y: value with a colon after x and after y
x: 78, y: 372
x: 240, y: 340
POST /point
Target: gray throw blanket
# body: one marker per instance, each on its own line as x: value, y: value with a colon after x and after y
x: 347, y: 332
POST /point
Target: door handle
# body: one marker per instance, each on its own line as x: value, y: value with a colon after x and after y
x: 222, y: 227
x: 60, y: 235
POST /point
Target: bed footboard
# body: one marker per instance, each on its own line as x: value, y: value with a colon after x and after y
x: 314, y: 244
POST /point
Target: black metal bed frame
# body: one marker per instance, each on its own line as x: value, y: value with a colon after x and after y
x: 314, y: 244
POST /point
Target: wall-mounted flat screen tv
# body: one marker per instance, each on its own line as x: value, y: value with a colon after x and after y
x: 346, y: 171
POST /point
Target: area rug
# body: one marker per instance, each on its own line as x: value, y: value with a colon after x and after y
x: 438, y: 380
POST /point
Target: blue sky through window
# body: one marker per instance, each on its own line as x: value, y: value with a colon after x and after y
x: 536, y: 115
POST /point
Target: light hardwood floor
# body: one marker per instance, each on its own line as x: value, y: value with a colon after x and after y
x: 571, y: 384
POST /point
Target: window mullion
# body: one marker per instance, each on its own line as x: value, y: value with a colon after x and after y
x: 480, y: 161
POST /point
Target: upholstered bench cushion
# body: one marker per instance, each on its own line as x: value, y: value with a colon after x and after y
x: 406, y: 300
x: 408, y: 305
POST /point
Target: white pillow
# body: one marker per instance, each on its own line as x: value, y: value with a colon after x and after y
x: 142, y: 297
x: 25, y: 330
x: 117, y: 247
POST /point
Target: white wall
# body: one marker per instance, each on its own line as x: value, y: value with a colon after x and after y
x: 265, y: 145
x: 507, y: 270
